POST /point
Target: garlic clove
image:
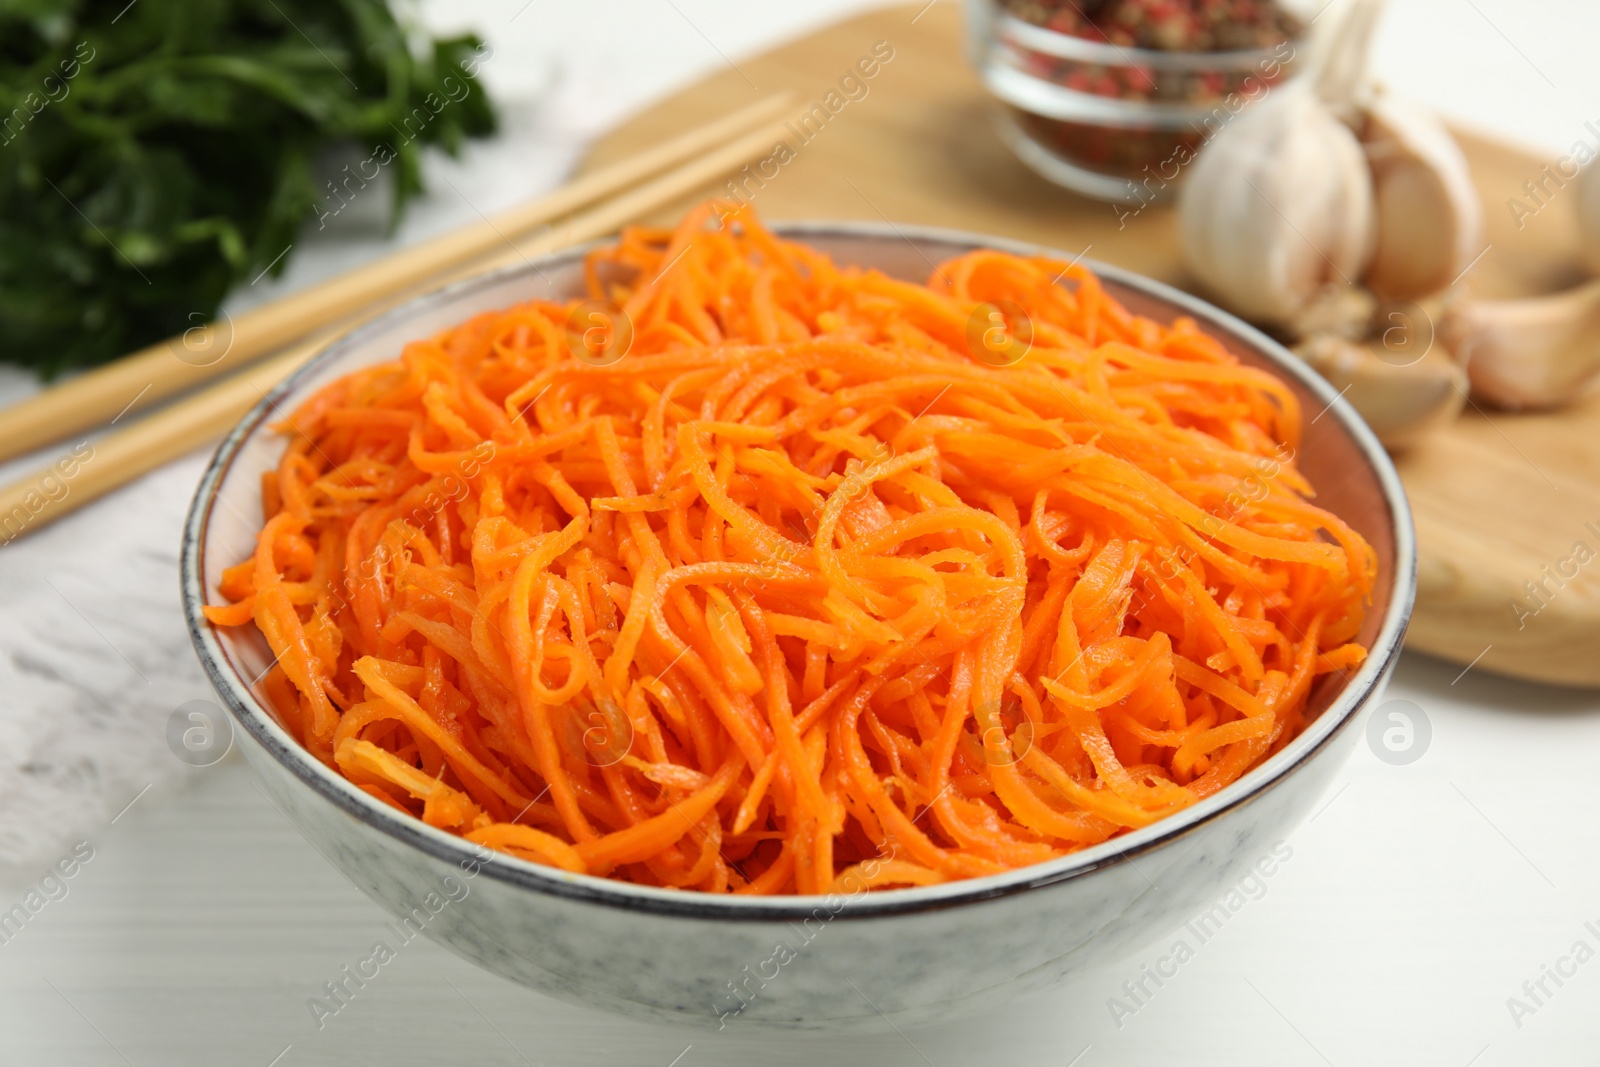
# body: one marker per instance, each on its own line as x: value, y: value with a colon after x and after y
x: 1401, y: 402
x: 1278, y: 207
x: 1429, y: 217
x: 1589, y: 214
x: 1530, y: 353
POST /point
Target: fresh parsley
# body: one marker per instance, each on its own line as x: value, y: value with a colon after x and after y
x: 154, y: 153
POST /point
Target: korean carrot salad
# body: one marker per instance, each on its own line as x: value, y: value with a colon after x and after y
x: 753, y: 573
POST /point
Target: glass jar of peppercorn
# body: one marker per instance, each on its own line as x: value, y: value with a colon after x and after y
x: 1112, y: 98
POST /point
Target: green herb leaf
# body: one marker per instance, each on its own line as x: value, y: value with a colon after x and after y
x: 152, y: 155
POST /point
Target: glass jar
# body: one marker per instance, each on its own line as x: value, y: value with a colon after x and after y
x: 1108, y: 121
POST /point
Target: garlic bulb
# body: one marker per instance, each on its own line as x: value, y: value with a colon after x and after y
x: 1589, y: 214
x: 1429, y: 218
x: 1278, y: 207
x: 1530, y: 353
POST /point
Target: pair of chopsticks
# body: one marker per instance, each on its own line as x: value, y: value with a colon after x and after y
x: 591, y: 207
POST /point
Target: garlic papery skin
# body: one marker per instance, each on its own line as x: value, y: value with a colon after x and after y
x: 1429, y: 220
x: 1402, y: 402
x: 1532, y: 353
x: 1278, y: 207
x: 1340, y: 56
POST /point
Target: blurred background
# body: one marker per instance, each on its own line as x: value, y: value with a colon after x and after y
x: 1520, y: 71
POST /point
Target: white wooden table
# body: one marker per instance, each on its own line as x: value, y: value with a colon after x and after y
x: 1416, y: 902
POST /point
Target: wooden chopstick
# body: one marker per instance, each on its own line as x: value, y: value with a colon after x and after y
x: 178, y: 364
x: 59, y: 489
x: 95, y: 469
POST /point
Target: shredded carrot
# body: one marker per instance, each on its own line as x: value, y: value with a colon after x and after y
x: 776, y: 580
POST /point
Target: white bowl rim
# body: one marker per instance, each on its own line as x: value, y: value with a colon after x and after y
x: 688, y: 904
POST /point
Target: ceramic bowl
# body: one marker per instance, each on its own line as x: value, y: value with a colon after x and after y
x: 911, y: 955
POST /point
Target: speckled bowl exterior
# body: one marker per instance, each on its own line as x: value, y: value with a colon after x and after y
x: 912, y: 955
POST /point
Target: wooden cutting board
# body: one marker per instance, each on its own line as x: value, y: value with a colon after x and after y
x: 1500, y: 499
